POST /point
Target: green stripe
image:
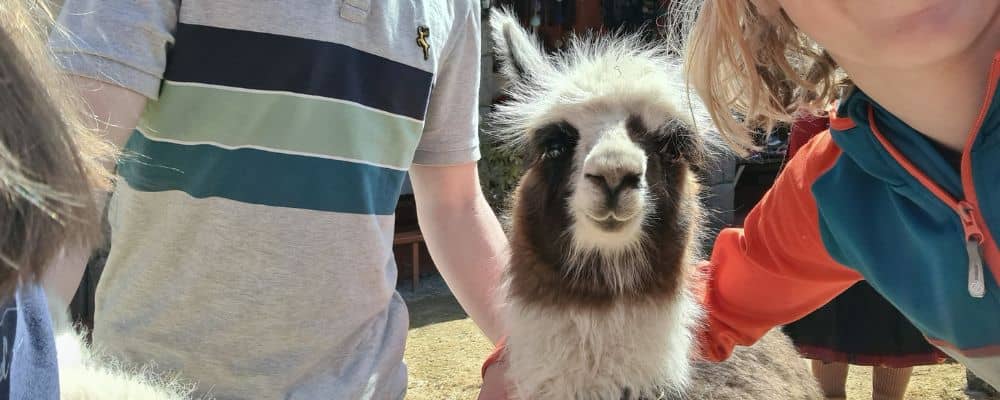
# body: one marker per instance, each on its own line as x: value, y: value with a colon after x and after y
x: 281, y: 122
x: 261, y: 177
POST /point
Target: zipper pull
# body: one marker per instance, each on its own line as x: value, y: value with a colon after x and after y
x: 977, y: 282
x: 973, y: 242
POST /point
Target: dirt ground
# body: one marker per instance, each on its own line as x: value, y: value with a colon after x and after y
x: 445, y: 349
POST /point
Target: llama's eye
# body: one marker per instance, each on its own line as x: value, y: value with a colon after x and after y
x: 554, y: 149
x: 556, y: 140
x: 554, y: 152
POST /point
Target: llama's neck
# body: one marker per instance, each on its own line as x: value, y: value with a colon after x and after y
x: 577, y: 352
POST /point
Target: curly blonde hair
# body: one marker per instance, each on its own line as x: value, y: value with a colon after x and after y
x: 51, y: 167
x: 752, y: 69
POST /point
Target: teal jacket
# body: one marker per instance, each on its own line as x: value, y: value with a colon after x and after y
x: 872, y: 199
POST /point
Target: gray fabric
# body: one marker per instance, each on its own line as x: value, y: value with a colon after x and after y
x: 34, y: 373
x: 986, y: 368
x: 258, y: 302
x: 124, y: 44
x: 262, y: 303
x: 454, y: 104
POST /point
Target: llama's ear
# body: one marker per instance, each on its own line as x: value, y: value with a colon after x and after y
x: 519, y: 53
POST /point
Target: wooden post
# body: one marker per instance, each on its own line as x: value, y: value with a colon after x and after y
x: 416, y: 265
x: 412, y: 238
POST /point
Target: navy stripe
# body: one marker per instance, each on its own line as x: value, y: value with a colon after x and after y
x: 260, y: 177
x: 263, y: 61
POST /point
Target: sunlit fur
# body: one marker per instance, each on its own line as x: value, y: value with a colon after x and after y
x: 606, y: 225
x: 86, y: 373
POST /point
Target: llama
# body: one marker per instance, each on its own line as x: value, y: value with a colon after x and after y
x: 604, y: 230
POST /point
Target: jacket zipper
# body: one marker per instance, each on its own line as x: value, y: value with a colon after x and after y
x: 966, y: 211
x: 974, y: 247
x: 972, y: 220
x: 974, y: 233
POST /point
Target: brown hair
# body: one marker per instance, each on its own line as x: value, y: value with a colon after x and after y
x: 50, y: 166
x: 752, y: 69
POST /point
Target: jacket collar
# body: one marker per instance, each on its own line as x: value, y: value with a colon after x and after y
x: 851, y: 125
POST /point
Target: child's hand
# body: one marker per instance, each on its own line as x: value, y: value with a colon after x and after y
x: 495, y: 382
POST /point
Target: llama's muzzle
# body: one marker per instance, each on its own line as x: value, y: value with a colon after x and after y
x: 613, y: 183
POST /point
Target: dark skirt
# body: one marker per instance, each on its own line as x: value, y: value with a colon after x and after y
x: 860, y: 327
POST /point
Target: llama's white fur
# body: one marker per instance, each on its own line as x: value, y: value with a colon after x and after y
x: 645, y: 348
x: 86, y: 373
x: 586, y: 81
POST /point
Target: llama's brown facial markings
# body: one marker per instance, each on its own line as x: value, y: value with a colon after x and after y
x: 552, y: 150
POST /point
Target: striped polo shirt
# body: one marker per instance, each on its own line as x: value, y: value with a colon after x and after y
x: 251, y: 246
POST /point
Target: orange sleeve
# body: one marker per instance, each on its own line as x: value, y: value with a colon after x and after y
x: 775, y: 269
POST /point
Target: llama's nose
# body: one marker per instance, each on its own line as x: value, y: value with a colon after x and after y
x: 613, y: 171
x: 614, y: 183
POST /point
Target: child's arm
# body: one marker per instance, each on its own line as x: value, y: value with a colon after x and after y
x: 776, y: 269
x: 115, y: 113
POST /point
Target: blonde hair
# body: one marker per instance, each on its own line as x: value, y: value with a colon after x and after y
x: 751, y: 69
x: 50, y: 165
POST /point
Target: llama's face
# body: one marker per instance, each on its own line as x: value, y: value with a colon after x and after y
x: 609, y: 145
x: 608, y: 184
x: 611, y: 164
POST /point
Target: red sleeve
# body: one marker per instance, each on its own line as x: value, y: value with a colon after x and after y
x: 775, y: 269
x: 494, y: 357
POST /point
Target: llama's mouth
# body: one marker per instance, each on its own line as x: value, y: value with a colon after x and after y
x: 610, y: 222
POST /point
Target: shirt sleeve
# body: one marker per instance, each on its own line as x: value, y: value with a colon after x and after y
x: 122, y: 42
x: 776, y: 269
x: 451, y: 128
